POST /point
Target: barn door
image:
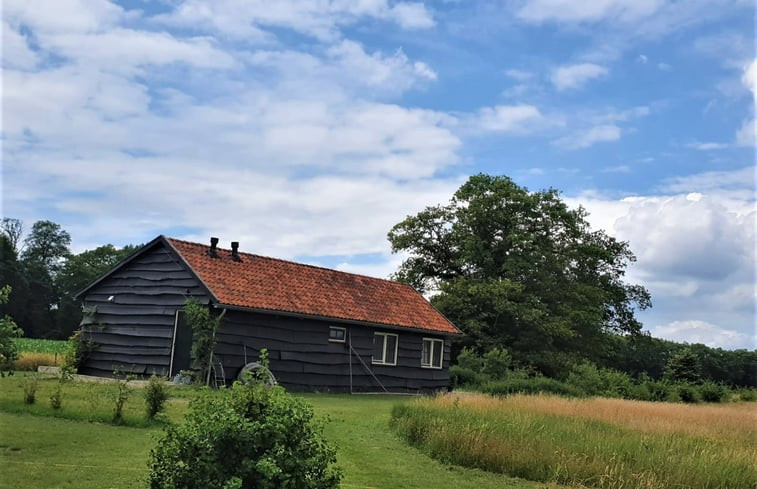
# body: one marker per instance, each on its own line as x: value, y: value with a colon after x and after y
x: 181, y: 346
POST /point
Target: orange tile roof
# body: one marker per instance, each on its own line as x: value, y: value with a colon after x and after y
x: 259, y: 282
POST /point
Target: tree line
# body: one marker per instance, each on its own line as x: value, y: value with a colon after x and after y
x: 44, y: 276
x: 521, y: 271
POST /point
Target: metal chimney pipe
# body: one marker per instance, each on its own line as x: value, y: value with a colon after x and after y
x: 235, y: 251
x: 212, y: 251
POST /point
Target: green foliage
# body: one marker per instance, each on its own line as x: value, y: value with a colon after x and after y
x: 56, y: 398
x: 77, y: 350
x: 520, y: 269
x: 8, y: 332
x: 497, y: 362
x: 155, y: 397
x: 119, y: 394
x: 204, y: 327
x: 470, y: 360
x: 30, y: 384
x: 37, y: 345
x: 688, y: 393
x: 534, y: 385
x: 684, y: 366
x: 594, y: 381
x: 712, y: 392
x: 249, y: 436
x: 463, y: 377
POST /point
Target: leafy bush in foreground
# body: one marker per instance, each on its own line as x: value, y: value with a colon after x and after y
x: 249, y: 436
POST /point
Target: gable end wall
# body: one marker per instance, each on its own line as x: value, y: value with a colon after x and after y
x: 134, y: 331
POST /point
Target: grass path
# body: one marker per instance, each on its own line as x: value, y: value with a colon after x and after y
x: 372, y: 456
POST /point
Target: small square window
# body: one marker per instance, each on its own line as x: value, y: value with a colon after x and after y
x: 337, y: 334
x: 432, y: 353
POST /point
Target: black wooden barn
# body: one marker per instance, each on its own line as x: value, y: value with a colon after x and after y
x: 325, y: 330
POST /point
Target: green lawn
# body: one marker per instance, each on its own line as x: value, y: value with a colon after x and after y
x: 40, y: 449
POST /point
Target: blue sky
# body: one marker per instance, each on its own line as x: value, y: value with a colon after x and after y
x: 306, y: 130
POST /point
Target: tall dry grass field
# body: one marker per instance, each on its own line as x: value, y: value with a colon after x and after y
x: 605, y: 443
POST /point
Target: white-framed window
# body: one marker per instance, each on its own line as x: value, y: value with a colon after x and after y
x: 432, y: 353
x: 385, y: 349
x: 337, y: 334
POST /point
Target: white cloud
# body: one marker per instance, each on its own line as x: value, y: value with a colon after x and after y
x: 395, y: 72
x: 61, y: 16
x: 694, y: 331
x: 575, y: 76
x: 249, y: 20
x: 508, y: 118
x: 411, y: 15
x: 593, y: 11
x: 597, y: 134
x: 694, y: 244
x: 706, y: 146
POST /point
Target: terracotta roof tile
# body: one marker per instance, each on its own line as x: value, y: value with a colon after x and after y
x: 259, y: 282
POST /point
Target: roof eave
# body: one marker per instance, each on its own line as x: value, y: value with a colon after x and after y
x: 233, y: 307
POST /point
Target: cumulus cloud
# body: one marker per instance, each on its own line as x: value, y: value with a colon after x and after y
x: 694, y: 243
x: 694, y: 331
x: 575, y: 76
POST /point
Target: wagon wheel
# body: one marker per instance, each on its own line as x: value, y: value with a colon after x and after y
x: 253, y: 371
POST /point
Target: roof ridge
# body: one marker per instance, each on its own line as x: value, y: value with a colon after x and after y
x: 318, y: 267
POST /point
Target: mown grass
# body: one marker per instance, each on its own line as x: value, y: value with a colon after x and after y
x: 597, y: 443
x: 41, y: 449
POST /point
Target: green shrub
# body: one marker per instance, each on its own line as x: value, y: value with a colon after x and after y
x: 585, y: 376
x: 712, y: 392
x: 659, y: 391
x: 30, y: 384
x: 461, y: 376
x: 119, y: 395
x: 470, y: 360
x: 77, y: 350
x: 688, y: 393
x: 747, y: 394
x: 247, y: 436
x: 56, y: 398
x: 155, y: 396
x: 536, y: 385
x: 497, y: 363
x: 8, y: 331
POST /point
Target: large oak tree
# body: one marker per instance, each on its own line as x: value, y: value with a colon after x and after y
x: 520, y: 270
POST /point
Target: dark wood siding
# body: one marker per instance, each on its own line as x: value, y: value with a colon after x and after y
x: 134, y: 331
x: 303, y: 358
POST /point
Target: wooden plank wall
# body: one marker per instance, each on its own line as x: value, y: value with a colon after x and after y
x: 302, y: 357
x: 135, y: 329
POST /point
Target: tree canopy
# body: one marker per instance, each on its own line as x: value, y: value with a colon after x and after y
x: 520, y: 270
x: 45, y: 275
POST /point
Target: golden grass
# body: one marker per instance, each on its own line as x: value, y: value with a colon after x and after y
x: 30, y: 361
x: 708, y: 421
x: 603, y: 443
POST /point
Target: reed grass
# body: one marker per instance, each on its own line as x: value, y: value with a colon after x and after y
x: 604, y: 443
x: 30, y: 361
